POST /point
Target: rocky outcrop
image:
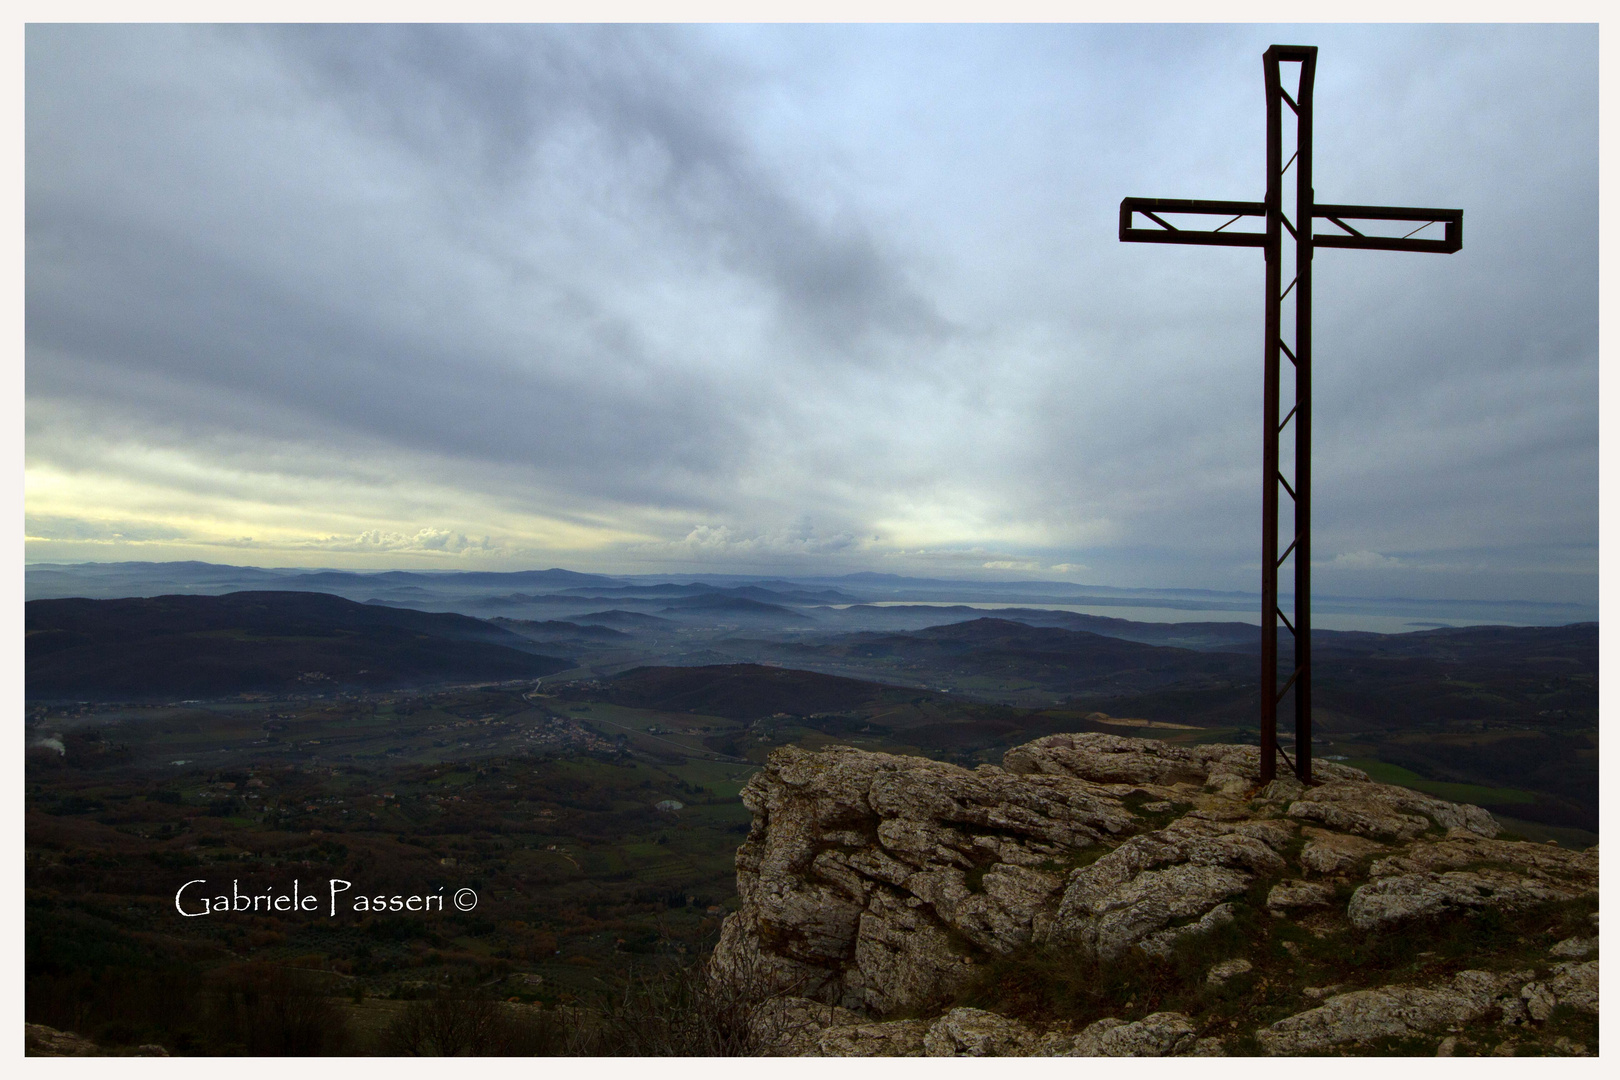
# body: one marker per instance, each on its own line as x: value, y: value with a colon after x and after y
x: 1465, y: 870
x: 897, y: 1038
x: 1385, y: 812
x: 869, y: 879
x: 1391, y: 1012
x: 1576, y: 985
x: 42, y: 1041
x: 978, y: 1033
x: 879, y: 884
x: 1179, y: 874
x: 968, y: 1032
x: 1163, y: 1034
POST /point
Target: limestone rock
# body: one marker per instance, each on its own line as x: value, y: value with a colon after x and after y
x: 1427, y: 878
x: 1515, y: 1012
x: 1287, y: 895
x: 1334, y: 853
x: 1365, y: 1015
x: 1462, y: 849
x: 1410, y: 896
x: 1576, y: 985
x: 1162, y: 1034
x: 1176, y: 874
x: 1317, y: 993
x: 977, y: 1033
x: 878, y: 883
x: 1386, y: 812
x: 1574, y: 948
x: 1538, y: 1001
x: 1165, y: 941
x: 1227, y: 969
x: 793, y: 1026
x: 42, y: 1041
x: 1108, y: 759
x: 894, y: 1038
x: 1115, y: 759
x: 1564, y: 1045
x: 902, y: 956
x: 863, y: 869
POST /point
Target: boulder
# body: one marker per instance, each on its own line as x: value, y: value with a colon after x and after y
x: 1162, y: 1034
x: 1227, y: 969
x: 978, y: 1033
x: 1328, y: 852
x: 1463, y: 849
x: 1574, y: 948
x: 903, y: 955
x: 1538, y: 1000
x: 792, y: 1026
x: 1151, y: 764
x: 1363, y: 1016
x: 1386, y: 812
x: 1177, y: 874
x: 1289, y: 895
x: 894, y: 1038
x: 1410, y: 896
x: 40, y: 1040
x: 865, y: 875
x: 1576, y: 985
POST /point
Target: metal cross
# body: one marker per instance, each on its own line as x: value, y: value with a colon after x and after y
x: 1301, y: 229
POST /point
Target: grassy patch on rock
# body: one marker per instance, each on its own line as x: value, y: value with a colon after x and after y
x: 1066, y: 985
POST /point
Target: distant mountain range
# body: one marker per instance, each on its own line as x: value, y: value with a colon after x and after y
x: 54, y: 576
x: 167, y: 647
x: 849, y: 601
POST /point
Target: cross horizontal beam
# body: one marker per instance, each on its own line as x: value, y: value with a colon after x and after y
x: 1352, y: 237
x: 1337, y: 214
x: 1170, y: 234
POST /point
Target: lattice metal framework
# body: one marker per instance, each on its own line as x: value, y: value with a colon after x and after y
x: 1297, y: 213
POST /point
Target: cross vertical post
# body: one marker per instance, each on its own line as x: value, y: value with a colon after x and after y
x: 1276, y: 484
x: 1301, y: 229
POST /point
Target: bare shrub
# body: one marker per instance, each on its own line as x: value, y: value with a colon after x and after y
x: 264, y: 1010
x: 672, y: 1012
x: 460, y: 1025
x: 698, y: 1012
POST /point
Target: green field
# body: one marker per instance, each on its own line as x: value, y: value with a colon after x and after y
x: 1385, y: 773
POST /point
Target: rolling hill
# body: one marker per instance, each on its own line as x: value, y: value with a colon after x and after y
x: 211, y: 646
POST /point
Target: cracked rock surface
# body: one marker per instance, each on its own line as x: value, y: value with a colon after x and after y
x: 1392, y: 1011
x: 877, y: 885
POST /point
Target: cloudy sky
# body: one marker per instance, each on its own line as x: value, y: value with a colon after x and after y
x: 796, y: 300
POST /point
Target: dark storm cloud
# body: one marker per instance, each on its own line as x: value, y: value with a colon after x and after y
x: 495, y: 99
x: 771, y: 292
x: 210, y: 341
x: 171, y: 325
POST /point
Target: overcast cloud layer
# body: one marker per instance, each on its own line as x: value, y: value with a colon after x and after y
x: 796, y: 300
